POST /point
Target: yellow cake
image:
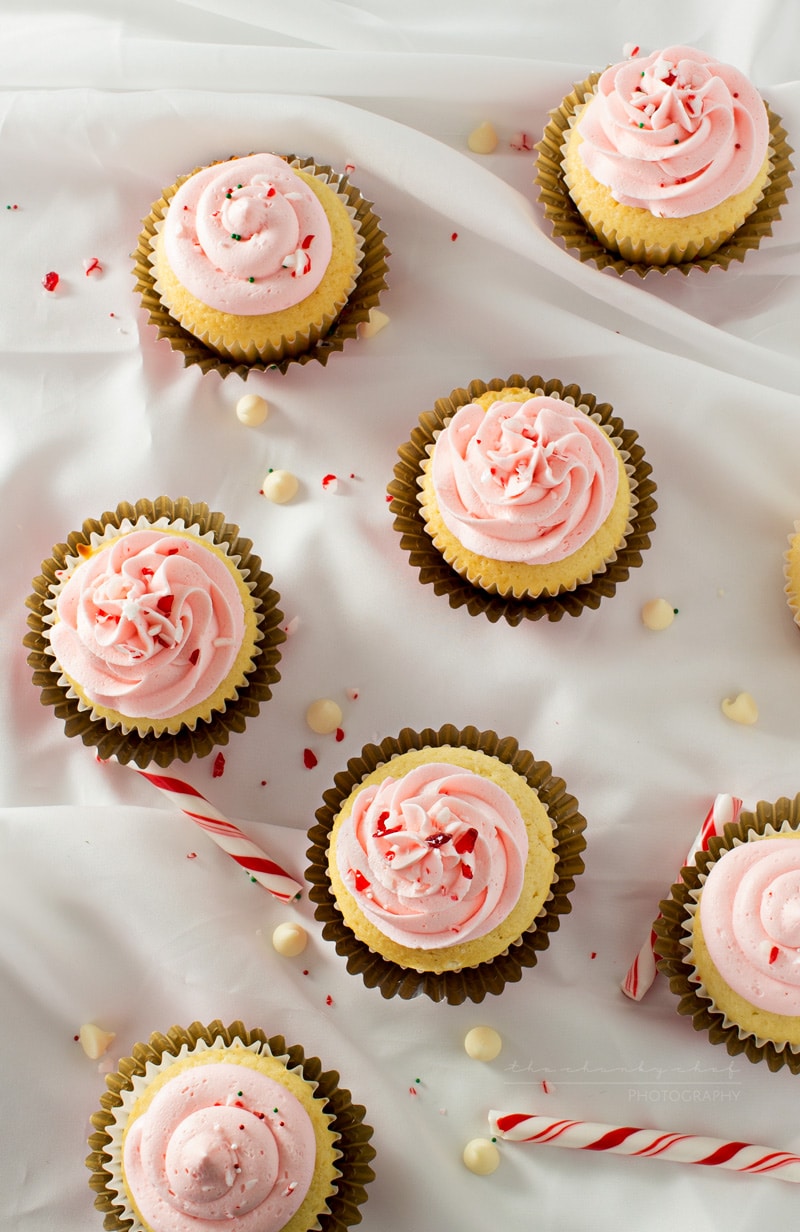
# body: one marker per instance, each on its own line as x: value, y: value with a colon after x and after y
x: 668, y: 156
x: 256, y: 258
x: 531, y: 510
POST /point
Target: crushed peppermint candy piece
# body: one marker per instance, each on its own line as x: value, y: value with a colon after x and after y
x: 218, y: 769
x: 630, y: 50
x: 50, y: 281
x: 521, y: 141
x: 351, y: 694
x: 309, y: 759
x: 330, y: 483
x: 92, y: 266
x: 291, y: 626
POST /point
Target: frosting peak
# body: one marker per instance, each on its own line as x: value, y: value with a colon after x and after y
x: 528, y: 482
x: 675, y: 133
x: 248, y: 236
x: 434, y: 858
x: 149, y: 624
x: 750, y: 915
x: 220, y: 1144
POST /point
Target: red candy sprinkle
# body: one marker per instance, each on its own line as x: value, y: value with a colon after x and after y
x: 329, y: 999
x: 465, y: 843
x: 193, y: 657
x: 309, y: 759
x: 218, y: 769
x: 307, y: 242
x: 773, y: 954
x: 454, y: 236
x: 50, y: 281
x: 359, y: 880
x: 327, y: 480
x: 339, y: 735
x: 164, y: 606
x: 467, y: 871
x: 191, y: 855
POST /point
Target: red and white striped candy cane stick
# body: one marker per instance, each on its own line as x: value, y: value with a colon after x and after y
x: 226, y: 835
x: 642, y: 971
x: 647, y: 1144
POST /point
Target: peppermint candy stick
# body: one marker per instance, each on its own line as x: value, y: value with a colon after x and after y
x: 226, y: 835
x: 647, y: 1144
x: 642, y: 971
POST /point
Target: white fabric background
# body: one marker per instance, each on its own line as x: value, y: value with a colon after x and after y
x: 102, y: 917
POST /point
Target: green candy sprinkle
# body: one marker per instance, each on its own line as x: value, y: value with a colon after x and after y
x: 251, y: 279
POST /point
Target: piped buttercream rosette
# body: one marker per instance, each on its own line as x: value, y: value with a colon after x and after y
x: 748, y: 942
x: 175, y: 609
x: 406, y: 824
x: 259, y: 238
x: 566, y: 221
x: 213, y: 1124
x: 530, y: 464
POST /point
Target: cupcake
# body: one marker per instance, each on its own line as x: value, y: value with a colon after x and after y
x: 442, y: 861
x: 220, y: 1124
x: 154, y: 631
x: 792, y: 573
x: 528, y: 491
x: 253, y: 261
x: 663, y: 160
x: 729, y: 937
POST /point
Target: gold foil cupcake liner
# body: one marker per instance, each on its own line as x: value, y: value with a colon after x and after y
x: 673, y: 956
x: 346, y: 1119
x: 370, y: 282
x: 568, y: 225
x: 434, y: 569
x: 207, y: 734
x: 470, y: 983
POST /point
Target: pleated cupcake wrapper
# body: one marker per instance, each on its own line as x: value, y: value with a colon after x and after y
x: 434, y: 570
x: 371, y: 280
x: 792, y: 595
x: 674, y: 945
x: 470, y: 983
x: 346, y: 1119
x: 568, y: 225
x: 208, y: 733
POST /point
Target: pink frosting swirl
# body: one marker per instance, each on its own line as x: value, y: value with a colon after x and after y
x: 220, y: 1142
x: 527, y: 482
x: 248, y: 236
x: 149, y: 625
x: 434, y: 858
x: 750, y: 915
x: 675, y: 133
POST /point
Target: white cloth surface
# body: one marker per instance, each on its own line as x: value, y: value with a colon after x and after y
x: 102, y: 916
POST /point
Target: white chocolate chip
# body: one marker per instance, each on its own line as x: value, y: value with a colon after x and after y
x: 481, y: 1156
x: 483, y: 139
x: 280, y: 486
x: 324, y: 716
x: 374, y: 323
x: 252, y: 410
x: 94, y: 1040
x: 290, y: 939
x: 658, y: 614
x: 741, y: 709
x: 483, y: 1043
